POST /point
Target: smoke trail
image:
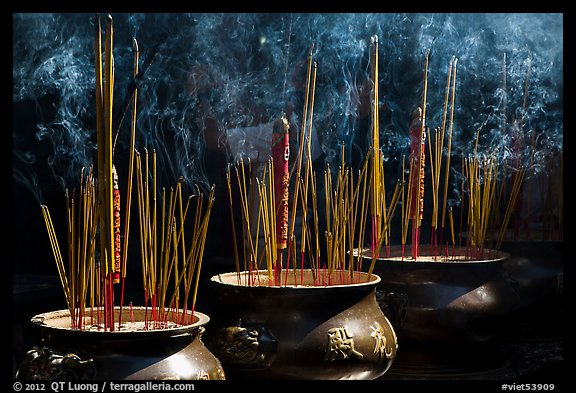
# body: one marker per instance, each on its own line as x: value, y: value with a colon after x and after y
x: 213, y: 78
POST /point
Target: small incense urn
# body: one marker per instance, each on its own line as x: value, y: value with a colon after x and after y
x: 169, y: 353
x: 298, y: 330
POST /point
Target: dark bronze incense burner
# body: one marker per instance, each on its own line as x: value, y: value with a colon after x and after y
x: 446, y: 311
x: 175, y: 353
x: 444, y: 300
x: 300, y: 331
x: 535, y: 269
x: 535, y: 272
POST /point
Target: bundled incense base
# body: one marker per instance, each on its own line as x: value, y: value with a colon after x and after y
x: 431, y: 255
x: 137, y: 320
x: 297, y: 278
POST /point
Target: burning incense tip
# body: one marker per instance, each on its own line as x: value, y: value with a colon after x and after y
x: 281, y: 125
x: 416, y: 119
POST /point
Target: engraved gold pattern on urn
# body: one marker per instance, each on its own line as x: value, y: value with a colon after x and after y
x: 381, y: 342
x: 341, y: 344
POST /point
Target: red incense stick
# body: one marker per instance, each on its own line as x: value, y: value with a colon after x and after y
x: 280, y: 157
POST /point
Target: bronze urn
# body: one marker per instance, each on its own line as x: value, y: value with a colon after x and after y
x: 299, y: 329
x: 168, y: 353
x: 446, y: 310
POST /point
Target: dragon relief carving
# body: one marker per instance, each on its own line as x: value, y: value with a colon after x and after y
x: 251, y: 347
x: 46, y: 364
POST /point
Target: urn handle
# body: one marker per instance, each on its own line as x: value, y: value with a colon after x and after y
x: 394, y: 305
x: 46, y: 364
x: 249, y: 347
x: 559, y: 290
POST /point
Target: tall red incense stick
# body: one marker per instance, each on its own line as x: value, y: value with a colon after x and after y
x: 280, y: 157
x: 116, y: 212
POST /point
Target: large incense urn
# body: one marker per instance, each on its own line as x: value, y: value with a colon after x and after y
x: 446, y: 307
x: 300, y: 329
x: 534, y: 276
x: 168, y: 353
x: 443, y: 295
x: 535, y: 271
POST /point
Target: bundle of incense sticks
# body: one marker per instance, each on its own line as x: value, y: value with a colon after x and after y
x: 346, y: 198
x: 263, y: 221
x: 257, y: 210
x: 94, y: 215
x: 171, y: 257
x: 344, y: 212
x: 104, y: 105
x: 80, y: 284
x: 488, y: 209
x: 547, y: 185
